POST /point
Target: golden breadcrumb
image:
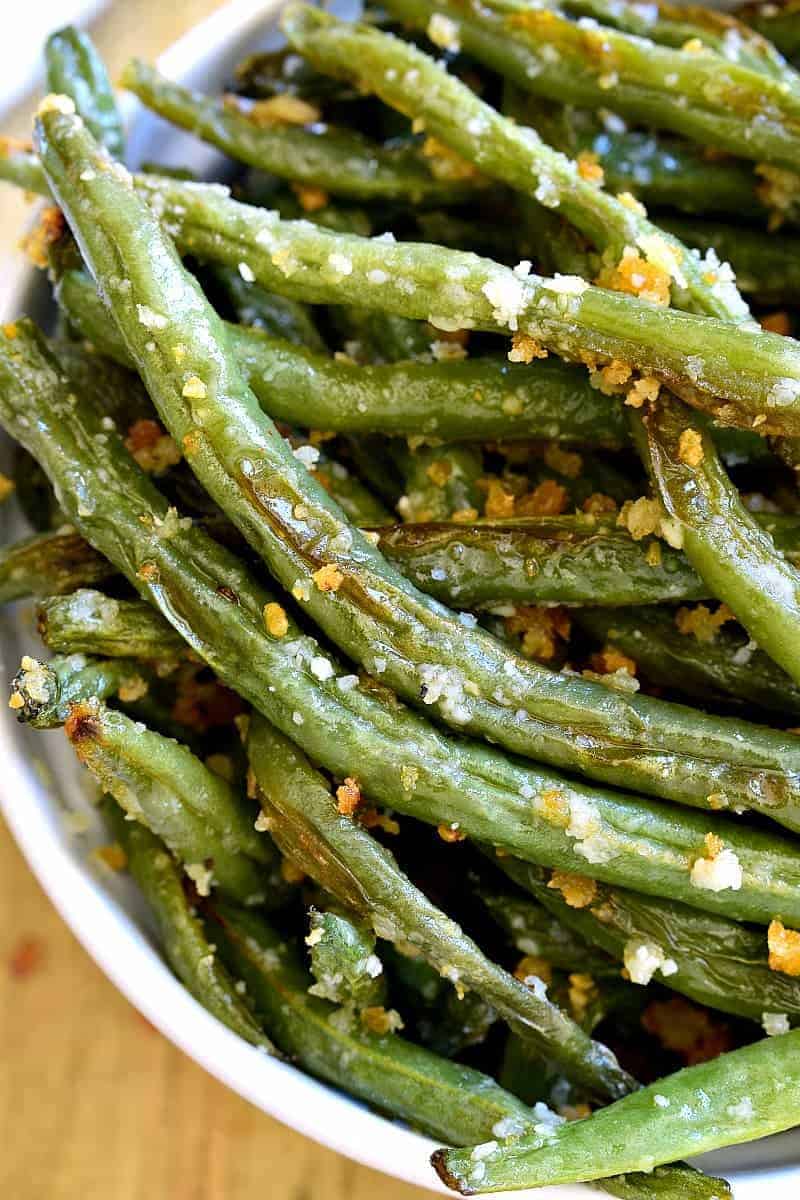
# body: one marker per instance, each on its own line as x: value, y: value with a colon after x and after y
x: 784, y: 949
x: 578, y: 890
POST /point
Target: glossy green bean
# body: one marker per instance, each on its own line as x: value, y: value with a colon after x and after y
x: 42, y: 694
x: 277, y: 316
x: 75, y: 69
x: 183, y: 938
x: 696, y: 95
x: 766, y: 264
x: 403, y: 761
x: 369, y: 609
x: 441, y: 1098
x: 534, y: 930
x: 735, y: 1098
x: 89, y: 622
x: 726, y: 670
x: 162, y: 784
x: 337, y: 160
x: 731, y: 552
x: 49, y: 563
x: 439, y: 481
x: 364, y: 876
x: 716, y: 962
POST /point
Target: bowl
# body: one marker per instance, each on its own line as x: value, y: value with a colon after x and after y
x: 43, y: 788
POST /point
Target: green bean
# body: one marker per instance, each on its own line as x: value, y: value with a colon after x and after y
x: 732, y: 552
x: 765, y: 263
x: 283, y: 73
x: 461, y: 1022
x: 204, y: 591
x: 42, y: 694
x: 730, y: 668
x: 740, y: 1096
x: 475, y: 399
x: 344, y: 964
x: 356, y: 500
x: 693, y: 94
x: 660, y: 170
x: 337, y: 160
x: 364, y: 876
x: 776, y: 21
x: 585, y: 560
x: 90, y: 622
x: 167, y: 788
x: 668, y: 25
x: 20, y: 166
x: 757, y: 372
x: 382, y: 337
x: 183, y: 938
x: 381, y: 620
x: 716, y: 962
x: 49, y: 563
x: 277, y: 316
x: 439, y: 481
x: 75, y: 69
x: 441, y: 1098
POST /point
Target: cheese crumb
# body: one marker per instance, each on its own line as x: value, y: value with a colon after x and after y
x: 774, y: 1023
x: 194, y: 389
x: 718, y: 870
x: 328, y: 578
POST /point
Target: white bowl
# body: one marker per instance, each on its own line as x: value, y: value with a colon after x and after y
x: 41, y: 784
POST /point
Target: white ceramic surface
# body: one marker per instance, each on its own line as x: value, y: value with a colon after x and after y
x: 41, y: 782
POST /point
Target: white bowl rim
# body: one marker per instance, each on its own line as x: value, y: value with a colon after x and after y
x: 126, y: 956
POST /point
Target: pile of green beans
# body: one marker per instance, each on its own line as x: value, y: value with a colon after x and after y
x: 399, y: 727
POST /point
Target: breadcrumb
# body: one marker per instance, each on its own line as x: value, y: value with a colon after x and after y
x: 542, y: 629
x: 644, y: 390
x: 687, y: 1030
x: 275, y: 619
x: 589, y: 167
x: 549, y: 499
x: 637, y: 277
x: 784, y: 949
x: 328, y: 578
x: 578, y: 890
x: 610, y: 659
x: 312, y: 199
x: 499, y: 501
x: 380, y: 1020
x: 282, y: 110
x: 599, y: 503
x: 47, y: 231
x: 446, y: 163
x: 348, y: 797
x: 640, y: 517
x: 565, y: 462
x: 582, y: 991
x: 700, y: 622
x: 533, y: 965
x: 439, y: 472
x: 690, y: 448
x: 450, y: 832
x: 151, y: 446
x: 524, y: 349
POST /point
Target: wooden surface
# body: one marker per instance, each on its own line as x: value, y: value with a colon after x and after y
x: 94, y: 1103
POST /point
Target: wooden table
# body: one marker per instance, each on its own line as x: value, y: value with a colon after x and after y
x: 94, y: 1103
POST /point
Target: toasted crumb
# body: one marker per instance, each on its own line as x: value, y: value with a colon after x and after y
x: 153, y: 448
x: 312, y: 199
x: 643, y: 391
x: 549, y: 499
x: 687, y: 1030
x: 637, y: 276
x: 614, y: 375
x: 575, y: 1112
x: 582, y: 991
x: 328, y: 578
x: 714, y: 845
x: 690, y: 448
x: 599, y: 503
x: 640, y: 517
x: 777, y: 322
x: 132, y: 689
x: 628, y: 200
x: 565, y: 462
x: 778, y: 191
x: 700, y: 622
x: 578, y: 890
x: 446, y: 163
x: 532, y: 966
x: 6, y: 487
x: 380, y: 1020
x: 784, y: 949
x: 542, y: 628
x: 48, y: 230
x: 275, y: 619
x: 348, y: 797
x: 499, y: 500
x: 450, y: 832
x: 439, y: 472
x: 524, y: 349
x: 283, y: 110
x: 463, y: 516
x: 610, y: 659
x: 653, y: 554
x: 589, y: 167
x: 16, y: 701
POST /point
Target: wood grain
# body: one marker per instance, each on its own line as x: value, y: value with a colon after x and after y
x: 94, y: 1103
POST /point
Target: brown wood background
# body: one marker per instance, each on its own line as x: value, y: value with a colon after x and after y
x: 94, y: 1103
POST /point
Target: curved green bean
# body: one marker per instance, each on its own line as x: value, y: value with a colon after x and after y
x: 364, y: 876
x: 75, y: 69
x: 337, y: 160
x: 344, y: 964
x: 735, y: 1098
x: 42, y: 694
x: 89, y: 622
x: 49, y: 563
x: 183, y: 937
